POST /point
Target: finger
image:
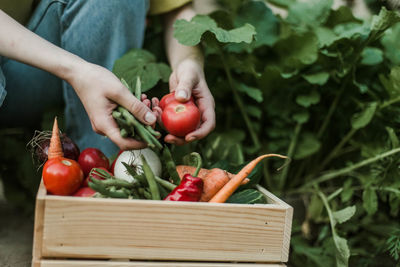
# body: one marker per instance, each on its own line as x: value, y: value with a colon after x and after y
x: 173, y: 82
x: 205, y: 128
x: 155, y: 102
x: 134, y: 106
x: 158, y: 112
x: 147, y: 102
x: 174, y: 140
x: 184, y: 88
x: 114, y: 134
x: 143, y: 97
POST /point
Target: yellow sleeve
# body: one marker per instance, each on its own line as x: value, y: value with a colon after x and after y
x: 163, y: 6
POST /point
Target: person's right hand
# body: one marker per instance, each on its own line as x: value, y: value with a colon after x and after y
x: 100, y: 91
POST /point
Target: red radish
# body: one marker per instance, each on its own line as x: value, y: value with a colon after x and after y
x: 85, y: 192
x: 92, y: 158
x: 95, y: 175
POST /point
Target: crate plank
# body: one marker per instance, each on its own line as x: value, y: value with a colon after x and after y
x: 158, y: 230
x: 38, y: 226
x: 80, y: 263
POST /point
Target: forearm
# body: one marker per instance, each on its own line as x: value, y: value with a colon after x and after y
x: 176, y: 52
x: 18, y: 43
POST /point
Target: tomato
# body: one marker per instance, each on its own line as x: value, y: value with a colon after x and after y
x: 167, y: 99
x: 85, y: 192
x: 62, y: 176
x: 180, y: 118
x: 92, y: 158
x: 95, y: 175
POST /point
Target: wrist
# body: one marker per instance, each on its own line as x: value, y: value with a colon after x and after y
x: 70, y: 68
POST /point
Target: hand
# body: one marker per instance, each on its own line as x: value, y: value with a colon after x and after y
x: 186, y: 80
x: 100, y: 91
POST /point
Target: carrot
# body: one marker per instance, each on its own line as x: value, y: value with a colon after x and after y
x: 55, y: 147
x: 214, y: 179
x: 235, y: 182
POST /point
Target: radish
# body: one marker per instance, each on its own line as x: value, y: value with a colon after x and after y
x: 132, y: 158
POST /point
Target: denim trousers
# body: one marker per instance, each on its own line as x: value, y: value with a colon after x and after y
x: 99, y: 31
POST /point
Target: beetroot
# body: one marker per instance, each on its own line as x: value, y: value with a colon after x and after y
x: 39, y: 146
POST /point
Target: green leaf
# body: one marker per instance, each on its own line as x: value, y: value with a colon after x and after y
x: 394, y: 140
x: 315, y: 207
x: 392, y: 83
x: 319, y: 78
x: 342, y: 251
x: 316, y: 11
x: 344, y: 215
x: 297, y: 50
x: 363, y: 118
x: 252, y: 92
x: 382, y: 22
x: 325, y: 36
x: 390, y: 42
x: 261, y: 17
x: 371, y: 56
x: 190, y: 32
x: 370, y: 201
x: 247, y: 196
x: 254, y: 111
x: 308, y: 100
x: 140, y: 63
x: 308, y: 145
x: 301, y: 117
x: 347, y: 192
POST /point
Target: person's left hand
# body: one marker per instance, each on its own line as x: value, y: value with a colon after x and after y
x: 186, y: 80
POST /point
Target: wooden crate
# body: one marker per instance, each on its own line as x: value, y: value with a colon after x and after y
x: 76, y: 231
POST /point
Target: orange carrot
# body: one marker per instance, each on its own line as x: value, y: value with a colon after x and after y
x: 214, y: 179
x: 235, y: 182
x: 55, y: 147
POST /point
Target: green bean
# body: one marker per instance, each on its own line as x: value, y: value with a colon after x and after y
x: 170, y: 165
x: 155, y: 193
x: 165, y: 184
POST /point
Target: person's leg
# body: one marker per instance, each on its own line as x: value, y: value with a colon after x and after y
x: 31, y: 91
x: 3, y: 92
x: 99, y: 31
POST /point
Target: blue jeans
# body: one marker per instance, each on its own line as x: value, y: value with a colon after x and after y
x: 99, y: 31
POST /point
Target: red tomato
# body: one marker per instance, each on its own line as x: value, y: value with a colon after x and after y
x: 84, y: 192
x: 62, y: 176
x: 95, y: 176
x: 180, y: 118
x: 92, y: 158
x: 167, y: 99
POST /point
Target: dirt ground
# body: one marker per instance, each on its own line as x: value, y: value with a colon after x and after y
x: 16, y: 232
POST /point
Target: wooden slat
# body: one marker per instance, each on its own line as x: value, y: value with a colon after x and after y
x: 38, y: 228
x: 89, y: 263
x: 160, y: 230
x: 288, y: 221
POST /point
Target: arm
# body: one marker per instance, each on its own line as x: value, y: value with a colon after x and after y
x: 187, y: 77
x: 89, y: 81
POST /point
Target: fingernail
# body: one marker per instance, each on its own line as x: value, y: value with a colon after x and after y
x: 149, y: 117
x: 181, y: 94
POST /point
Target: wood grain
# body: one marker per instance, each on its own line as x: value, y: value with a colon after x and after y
x: 161, y: 230
x: 89, y: 263
x: 39, y: 220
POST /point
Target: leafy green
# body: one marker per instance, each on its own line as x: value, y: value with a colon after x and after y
x: 247, y: 196
x: 190, y: 33
x: 140, y: 63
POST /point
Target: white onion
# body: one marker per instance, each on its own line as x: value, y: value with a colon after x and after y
x: 132, y: 158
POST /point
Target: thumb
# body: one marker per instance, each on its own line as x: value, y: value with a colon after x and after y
x: 184, y: 88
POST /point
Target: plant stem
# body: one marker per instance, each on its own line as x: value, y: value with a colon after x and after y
x: 333, y: 174
x: 332, y: 108
x: 290, y: 152
x: 240, y: 104
x: 336, y: 149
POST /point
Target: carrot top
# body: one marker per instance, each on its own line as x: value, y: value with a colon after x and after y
x: 55, y: 148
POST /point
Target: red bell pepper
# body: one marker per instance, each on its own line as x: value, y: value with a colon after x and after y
x: 191, y: 187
